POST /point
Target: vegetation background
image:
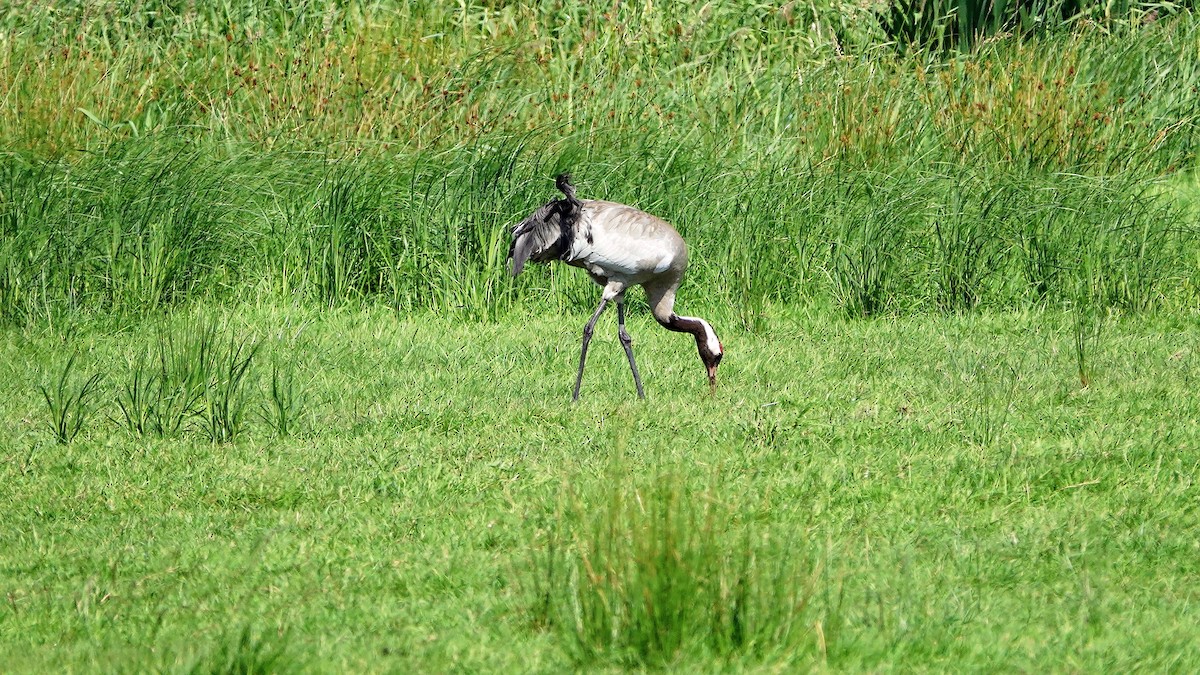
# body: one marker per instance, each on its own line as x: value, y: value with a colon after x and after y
x: 271, y: 400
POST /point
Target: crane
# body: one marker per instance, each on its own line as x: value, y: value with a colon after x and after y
x: 618, y: 246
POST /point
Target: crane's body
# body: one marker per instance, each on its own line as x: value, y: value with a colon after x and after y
x: 615, y: 241
x: 619, y: 246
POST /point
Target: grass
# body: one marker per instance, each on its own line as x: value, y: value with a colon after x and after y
x: 963, y: 500
x: 111, y: 236
x: 654, y: 571
x: 67, y: 403
x: 1017, y: 173
x: 275, y: 404
x: 813, y: 83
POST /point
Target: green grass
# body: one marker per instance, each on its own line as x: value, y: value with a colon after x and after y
x: 150, y: 225
x: 811, y: 82
x: 271, y: 401
x: 1021, y: 173
x: 947, y: 492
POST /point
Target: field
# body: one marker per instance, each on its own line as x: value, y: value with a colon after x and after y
x: 271, y: 402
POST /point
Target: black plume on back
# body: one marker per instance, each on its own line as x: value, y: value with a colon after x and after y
x: 563, y: 183
x: 546, y: 234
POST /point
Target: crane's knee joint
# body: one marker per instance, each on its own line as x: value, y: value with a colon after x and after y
x: 624, y: 337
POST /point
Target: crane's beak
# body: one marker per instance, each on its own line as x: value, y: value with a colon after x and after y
x: 712, y: 379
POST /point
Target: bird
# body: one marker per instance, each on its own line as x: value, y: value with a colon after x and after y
x: 618, y: 246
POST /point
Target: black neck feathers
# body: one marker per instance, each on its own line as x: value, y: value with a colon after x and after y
x: 569, y: 210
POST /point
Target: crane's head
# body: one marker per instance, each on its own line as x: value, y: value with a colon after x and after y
x: 711, y: 350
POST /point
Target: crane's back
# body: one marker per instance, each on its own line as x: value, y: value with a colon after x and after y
x: 619, y: 241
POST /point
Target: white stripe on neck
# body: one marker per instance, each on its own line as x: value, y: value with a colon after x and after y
x: 710, y: 335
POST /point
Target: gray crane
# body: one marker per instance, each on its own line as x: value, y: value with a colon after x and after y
x: 619, y: 246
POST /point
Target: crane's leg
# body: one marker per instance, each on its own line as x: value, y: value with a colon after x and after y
x: 587, y: 337
x: 627, y: 343
x: 613, y: 290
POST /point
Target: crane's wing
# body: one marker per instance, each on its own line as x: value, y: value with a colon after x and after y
x: 546, y: 235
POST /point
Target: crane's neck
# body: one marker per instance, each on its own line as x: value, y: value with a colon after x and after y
x: 707, y: 344
x: 706, y: 337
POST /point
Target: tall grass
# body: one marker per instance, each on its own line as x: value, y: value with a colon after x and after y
x: 284, y: 401
x: 354, y: 153
x: 164, y: 388
x: 430, y: 233
x: 948, y: 23
x: 800, y: 80
x: 132, y: 230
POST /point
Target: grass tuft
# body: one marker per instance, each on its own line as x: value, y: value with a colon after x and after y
x: 283, y: 403
x: 68, y: 403
x: 225, y: 402
x: 655, y: 574
x: 245, y: 653
x: 191, y: 379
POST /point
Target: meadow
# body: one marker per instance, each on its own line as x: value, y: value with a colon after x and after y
x: 271, y: 401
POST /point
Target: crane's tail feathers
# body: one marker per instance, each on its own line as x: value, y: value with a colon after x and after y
x: 521, y: 228
x: 519, y: 251
x: 546, y: 234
